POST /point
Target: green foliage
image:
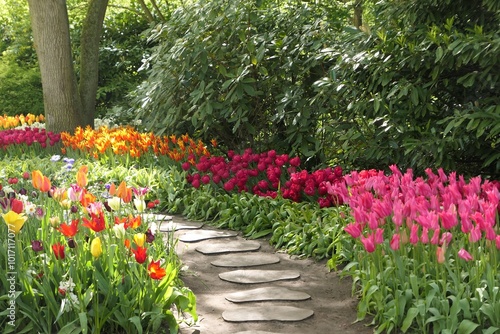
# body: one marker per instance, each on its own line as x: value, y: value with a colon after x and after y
x: 421, y: 90
x: 298, y: 228
x: 240, y: 73
x: 20, y: 88
x: 20, y: 85
x: 122, y: 47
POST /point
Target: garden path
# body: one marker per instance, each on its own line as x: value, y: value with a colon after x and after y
x: 247, y: 287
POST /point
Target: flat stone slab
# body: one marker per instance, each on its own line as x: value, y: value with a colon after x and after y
x: 256, y: 332
x: 267, y: 313
x: 173, y: 226
x: 258, y: 276
x: 228, y: 247
x: 199, y: 235
x: 267, y: 294
x: 245, y: 260
x: 157, y: 217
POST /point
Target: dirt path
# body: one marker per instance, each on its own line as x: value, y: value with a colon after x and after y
x: 334, y: 308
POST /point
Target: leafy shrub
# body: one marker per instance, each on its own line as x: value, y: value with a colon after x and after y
x: 421, y: 89
x: 241, y: 73
x: 20, y: 88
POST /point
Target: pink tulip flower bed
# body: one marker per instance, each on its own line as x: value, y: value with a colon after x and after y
x: 427, y: 250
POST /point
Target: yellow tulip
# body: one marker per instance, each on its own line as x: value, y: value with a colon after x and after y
x: 96, y: 247
x: 139, y: 239
x: 14, y: 221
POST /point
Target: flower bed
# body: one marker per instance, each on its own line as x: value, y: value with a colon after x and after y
x: 83, y: 261
x: 423, y: 252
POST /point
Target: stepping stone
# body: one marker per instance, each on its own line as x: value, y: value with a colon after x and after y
x: 258, y: 276
x: 245, y: 260
x: 172, y: 227
x: 200, y: 235
x: 266, y: 294
x: 266, y: 313
x: 256, y: 332
x: 228, y: 247
x: 157, y: 217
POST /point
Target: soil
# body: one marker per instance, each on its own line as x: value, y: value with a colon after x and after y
x: 334, y: 307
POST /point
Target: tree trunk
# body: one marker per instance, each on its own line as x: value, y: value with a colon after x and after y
x: 357, y: 19
x: 89, y: 61
x: 50, y: 25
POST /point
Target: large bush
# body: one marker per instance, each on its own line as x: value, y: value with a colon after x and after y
x: 241, y: 72
x: 20, y: 89
x: 420, y: 89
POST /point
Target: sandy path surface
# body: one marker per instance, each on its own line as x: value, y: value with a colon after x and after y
x: 334, y: 308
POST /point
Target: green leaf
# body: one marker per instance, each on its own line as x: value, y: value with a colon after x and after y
x: 467, y: 327
x: 136, y: 320
x: 410, y: 316
x: 414, y: 96
x: 83, y: 322
x: 491, y: 330
x: 439, y: 54
x: 376, y: 104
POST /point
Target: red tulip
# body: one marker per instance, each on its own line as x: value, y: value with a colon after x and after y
x: 58, y: 250
x: 140, y: 254
x: 96, y: 223
x: 69, y: 230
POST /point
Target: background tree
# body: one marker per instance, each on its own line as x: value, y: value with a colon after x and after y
x: 67, y: 104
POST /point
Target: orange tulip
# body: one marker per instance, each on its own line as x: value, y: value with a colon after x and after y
x: 154, y: 270
x: 81, y: 176
x: 40, y: 181
x: 124, y: 193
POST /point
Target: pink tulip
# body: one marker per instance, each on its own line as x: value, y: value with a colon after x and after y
x: 497, y: 241
x: 354, y: 229
x: 462, y: 253
x: 446, y: 238
x: 368, y: 243
x: 379, y: 236
x: 490, y: 233
x: 395, y: 241
x: 414, y: 234
x: 475, y: 234
x: 449, y: 217
x: 397, y: 217
x: 435, y: 237
x: 424, y: 238
x: 428, y: 219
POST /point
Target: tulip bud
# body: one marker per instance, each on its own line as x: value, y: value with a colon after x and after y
x: 96, y: 247
x: 139, y: 239
x: 54, y: 221
x: 119, y: 231
x: 140, y: 204
x: 71, y: 243
x: 114, y: 203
